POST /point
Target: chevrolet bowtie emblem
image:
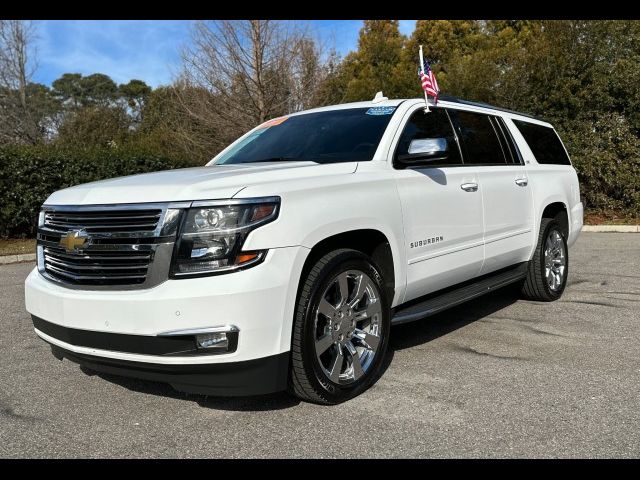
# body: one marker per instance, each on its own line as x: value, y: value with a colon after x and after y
x: 73, y: 241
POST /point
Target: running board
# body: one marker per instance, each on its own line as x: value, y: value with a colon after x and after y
x: 449, y: 297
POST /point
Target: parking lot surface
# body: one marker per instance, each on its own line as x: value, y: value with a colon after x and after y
x: 495, y: 377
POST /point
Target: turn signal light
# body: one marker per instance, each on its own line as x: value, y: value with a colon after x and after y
x: 245, y: 257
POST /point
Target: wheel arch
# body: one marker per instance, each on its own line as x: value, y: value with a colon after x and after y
x: 558, y: 211
x: 370, y: 241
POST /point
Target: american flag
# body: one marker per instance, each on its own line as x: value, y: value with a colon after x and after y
x: 428, y: 81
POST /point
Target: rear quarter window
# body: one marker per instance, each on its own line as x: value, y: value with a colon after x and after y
x: 544, y: 142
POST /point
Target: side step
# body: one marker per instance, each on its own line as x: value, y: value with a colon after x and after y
x: 449, y: 297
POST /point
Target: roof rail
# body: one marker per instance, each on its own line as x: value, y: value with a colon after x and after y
x: 449, y: 98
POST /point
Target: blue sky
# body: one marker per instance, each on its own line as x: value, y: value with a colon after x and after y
x: 146, y: 49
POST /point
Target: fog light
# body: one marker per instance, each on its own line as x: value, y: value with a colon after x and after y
x: 210, y: 341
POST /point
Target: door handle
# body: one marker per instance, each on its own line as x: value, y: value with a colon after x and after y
x: 469, y: 187
x: 522, y: 182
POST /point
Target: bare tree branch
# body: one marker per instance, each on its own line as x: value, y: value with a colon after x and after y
x: 239, y: 73
x: 17, y: 122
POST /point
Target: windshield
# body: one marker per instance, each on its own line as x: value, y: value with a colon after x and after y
x: 347, y: 135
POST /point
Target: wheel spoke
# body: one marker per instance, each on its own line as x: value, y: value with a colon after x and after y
x: 554, y: 260
x: 360, y: 290
x: 347, y: 326
x: 323, y: 343
x: 355, y: 361
x: 336, y: 365
x: 368, y: 340
x: 326, y: 308
x: 369, y: 311
x: 343, y: 285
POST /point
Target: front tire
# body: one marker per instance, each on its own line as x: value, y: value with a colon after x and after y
x: 548, y: 270
x: 341, y: 329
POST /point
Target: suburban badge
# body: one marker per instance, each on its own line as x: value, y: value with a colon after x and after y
x: 427, y: 241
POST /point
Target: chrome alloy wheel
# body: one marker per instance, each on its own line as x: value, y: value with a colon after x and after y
x: 555, y: 260
x: 347, y: 326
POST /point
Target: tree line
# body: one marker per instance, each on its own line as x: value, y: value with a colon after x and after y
x: 583, y: 76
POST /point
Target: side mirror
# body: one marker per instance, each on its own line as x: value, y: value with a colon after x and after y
x: 425, y: 150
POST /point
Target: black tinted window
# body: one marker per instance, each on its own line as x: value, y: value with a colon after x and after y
x: 479, y: 139
x: 508, y: 145
x: 544, y: 143
x: 434, y: 124
x: 348, y: 135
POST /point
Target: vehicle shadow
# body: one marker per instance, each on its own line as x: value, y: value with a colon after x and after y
x: 402, y: 336
x: 417, y: 333
x: 275, y: 401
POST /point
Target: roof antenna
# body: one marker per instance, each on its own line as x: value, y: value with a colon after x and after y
x: 379, y: 98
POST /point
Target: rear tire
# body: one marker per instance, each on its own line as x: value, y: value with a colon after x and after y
x: 341, y: 329
x: 549, y: 268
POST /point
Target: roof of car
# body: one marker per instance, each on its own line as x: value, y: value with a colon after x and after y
x: 446, y: 99
x: 449, y: 98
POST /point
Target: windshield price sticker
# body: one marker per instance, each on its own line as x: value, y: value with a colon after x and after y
x: 381, y: 110
x: 273, y: 122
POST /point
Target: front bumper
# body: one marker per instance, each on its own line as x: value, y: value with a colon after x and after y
x: 259, y: 301
x: 252, y: 377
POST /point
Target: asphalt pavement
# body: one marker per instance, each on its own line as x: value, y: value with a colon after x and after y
x: 495, y: 377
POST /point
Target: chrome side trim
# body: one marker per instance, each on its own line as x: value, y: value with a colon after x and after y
x: 199, y: 331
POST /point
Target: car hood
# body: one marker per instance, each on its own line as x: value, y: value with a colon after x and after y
x: 202, y: 183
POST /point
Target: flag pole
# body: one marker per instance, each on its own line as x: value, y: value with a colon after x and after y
x: 426, y: 99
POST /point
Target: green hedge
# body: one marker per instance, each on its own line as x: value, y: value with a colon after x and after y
x: 28, y: 175
x: 609, y: 174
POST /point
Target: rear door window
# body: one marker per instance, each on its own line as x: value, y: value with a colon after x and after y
x: 509, y: 145
x: 544, y: 142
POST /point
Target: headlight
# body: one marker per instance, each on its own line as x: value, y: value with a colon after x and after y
x: 212, y: 235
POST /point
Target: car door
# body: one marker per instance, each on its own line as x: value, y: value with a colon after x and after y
x: 506, y: 196
x: 441, y: 208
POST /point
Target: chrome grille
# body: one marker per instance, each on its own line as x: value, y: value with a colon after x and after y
x: 97, y: 268
x: 126, y: 246
x: 104, y: 221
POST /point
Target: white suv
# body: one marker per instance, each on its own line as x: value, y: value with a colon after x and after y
x: 284, y: 262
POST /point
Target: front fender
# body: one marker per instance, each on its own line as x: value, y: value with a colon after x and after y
x: 314, y: 209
